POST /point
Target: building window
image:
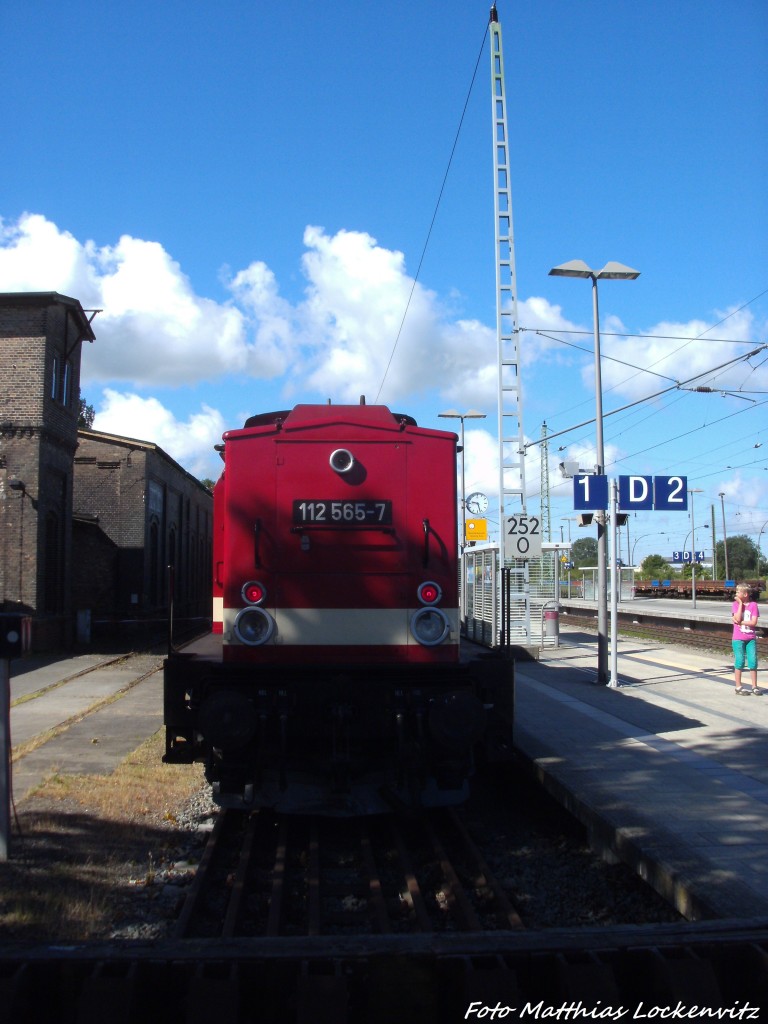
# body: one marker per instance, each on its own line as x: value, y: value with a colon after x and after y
x: 61, y: 381
x: 66, y: 384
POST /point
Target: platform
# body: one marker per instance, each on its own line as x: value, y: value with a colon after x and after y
x: 675, y: 608
x: 669, y: 771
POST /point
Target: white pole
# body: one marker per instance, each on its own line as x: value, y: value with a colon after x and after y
x: 5, y: 758
x: 614, y: 680
x: 602, y: 587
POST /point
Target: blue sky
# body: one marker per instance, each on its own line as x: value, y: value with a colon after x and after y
x: 246, y: 190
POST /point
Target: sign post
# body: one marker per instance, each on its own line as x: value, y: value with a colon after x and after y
x: 14, y: 641
x: 5, y: 758
x: 595, y: 492
x: 614, y: 677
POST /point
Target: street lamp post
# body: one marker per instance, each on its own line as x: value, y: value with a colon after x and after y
x: 759, y: 556
x: 612, y: 271
x: 452, y: 414
x: 721, y: 495
x: 693, y: 541
x: 656, y: 533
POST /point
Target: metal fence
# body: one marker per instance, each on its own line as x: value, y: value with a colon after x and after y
x: 509, y: 604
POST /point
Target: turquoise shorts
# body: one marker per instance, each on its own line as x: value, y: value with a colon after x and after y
x: 745, y: 650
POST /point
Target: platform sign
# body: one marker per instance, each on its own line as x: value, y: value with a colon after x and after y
x: 522, y: 537
x: 687, y: 557
x: 590, y: 491
x: 663, y: 493
x: 670, y: 493
x: 635, y: 492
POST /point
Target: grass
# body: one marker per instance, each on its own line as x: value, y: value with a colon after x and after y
x: 84, y: 844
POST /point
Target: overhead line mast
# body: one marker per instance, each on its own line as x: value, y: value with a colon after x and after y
x: 511, y: 453
x: 510, y: 400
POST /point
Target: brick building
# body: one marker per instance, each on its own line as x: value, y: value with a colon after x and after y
x: 41, y: 335
x: 136, y: 512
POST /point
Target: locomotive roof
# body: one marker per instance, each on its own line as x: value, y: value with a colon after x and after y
x: 303, y: 413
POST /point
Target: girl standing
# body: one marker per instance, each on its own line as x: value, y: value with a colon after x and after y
x: 745, y: 614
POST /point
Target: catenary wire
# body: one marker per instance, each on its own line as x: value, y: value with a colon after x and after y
x: 434, y: 217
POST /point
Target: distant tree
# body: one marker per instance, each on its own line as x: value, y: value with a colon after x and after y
x: 207, y: 482
x: 742, y: 558
x: 703, y: 572
x: 584, y: 551
x: 86, y: 415
x: 656, y: 567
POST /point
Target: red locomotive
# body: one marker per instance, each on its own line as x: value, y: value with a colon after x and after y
x: 332, y: 681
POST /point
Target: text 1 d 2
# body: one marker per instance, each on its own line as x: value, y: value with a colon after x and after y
x: 663, y: 493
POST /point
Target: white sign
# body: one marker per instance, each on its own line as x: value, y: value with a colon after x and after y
x: 522, y: 537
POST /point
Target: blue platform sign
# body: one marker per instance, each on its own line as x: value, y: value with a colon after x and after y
x: 670, y: 493
x: 590, y: 492
x: 688, y: 557
x: 635, y: 492
x: 663, y: 493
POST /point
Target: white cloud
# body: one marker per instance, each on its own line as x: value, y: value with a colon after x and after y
x: 674, y: 360
x: 347, y: 336
x: 363, y: 324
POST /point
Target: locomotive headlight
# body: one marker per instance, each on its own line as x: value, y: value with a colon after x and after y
x: 342, y: 460
x: 254, y: 626
x: 254, y: 592
x: 429, y: 593
x: 430, y: 626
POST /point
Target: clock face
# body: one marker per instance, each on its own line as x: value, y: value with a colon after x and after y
x: 477, y: 503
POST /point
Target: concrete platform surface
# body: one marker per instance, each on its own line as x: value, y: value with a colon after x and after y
x: 668, y: 771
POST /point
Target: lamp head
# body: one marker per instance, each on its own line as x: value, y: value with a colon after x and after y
x: 573, y: 268
x: 612, y: 271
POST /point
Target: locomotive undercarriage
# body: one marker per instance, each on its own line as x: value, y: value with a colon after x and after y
x: 306, y: 739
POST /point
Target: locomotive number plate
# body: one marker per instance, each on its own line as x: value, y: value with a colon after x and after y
x: 342, y: 513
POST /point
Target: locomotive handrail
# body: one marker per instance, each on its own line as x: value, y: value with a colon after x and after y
x: 425, y: 524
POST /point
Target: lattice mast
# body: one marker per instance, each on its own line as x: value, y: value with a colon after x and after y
x: 546, y: 518
x: 512, y: 494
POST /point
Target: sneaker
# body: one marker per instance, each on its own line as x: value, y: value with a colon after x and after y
x: 742, y: 691
x: 757, y: 693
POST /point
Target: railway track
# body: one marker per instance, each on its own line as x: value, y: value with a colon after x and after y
x: 309, y: 921
x: 275, y: 877
x: 712, y: 638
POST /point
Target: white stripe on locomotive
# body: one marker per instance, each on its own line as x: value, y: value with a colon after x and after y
x: 322, y: 627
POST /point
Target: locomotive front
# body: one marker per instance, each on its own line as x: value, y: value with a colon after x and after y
x: 337, y: 686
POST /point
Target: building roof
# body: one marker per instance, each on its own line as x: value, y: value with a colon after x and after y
x: 135, y: 445
x: 51, y: 298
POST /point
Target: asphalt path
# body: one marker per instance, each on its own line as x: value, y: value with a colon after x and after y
x: 80, y: 715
